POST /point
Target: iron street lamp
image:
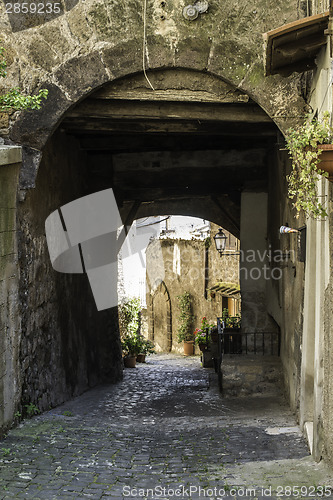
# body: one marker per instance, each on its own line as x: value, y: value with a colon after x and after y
x: 220, y: 241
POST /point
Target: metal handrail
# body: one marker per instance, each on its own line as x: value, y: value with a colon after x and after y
x: 235, y: 341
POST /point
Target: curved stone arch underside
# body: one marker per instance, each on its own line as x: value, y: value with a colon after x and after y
x: 79, y: 77
x: 161, y: 291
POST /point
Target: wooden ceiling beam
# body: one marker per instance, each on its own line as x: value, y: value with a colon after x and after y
x: 139, y: 110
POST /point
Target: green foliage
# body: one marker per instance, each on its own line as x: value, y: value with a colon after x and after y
x: 14, y: 100
x: 67, y: 413
x: 202, y: 334
x: 129, y: 317
x: 147, y: 347
x: 185, y: 333
x: 302, y: 182
x: 3, y: 63
x: 131, y: 345
x: 231, y: 321
x: 31, y: 410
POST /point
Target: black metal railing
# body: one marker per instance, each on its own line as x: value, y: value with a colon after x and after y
x: 235, y: 341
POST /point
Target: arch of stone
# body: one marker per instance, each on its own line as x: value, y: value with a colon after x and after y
x: 205, y: 142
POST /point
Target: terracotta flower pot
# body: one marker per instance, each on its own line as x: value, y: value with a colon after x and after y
x: 129, y: 361
x: 188, y: 348
x: 141, y: 358
x: 326, y: 159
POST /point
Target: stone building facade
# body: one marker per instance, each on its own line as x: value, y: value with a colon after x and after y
x: 187, y: 265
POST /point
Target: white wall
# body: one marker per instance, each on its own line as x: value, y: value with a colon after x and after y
x: 317, y: 273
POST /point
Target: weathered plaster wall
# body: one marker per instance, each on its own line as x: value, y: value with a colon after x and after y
x: 66, y: 345
x: 181, y: 266
x: 10, y: 377
x: 328, y: 351
x: 317, y: 355
x: 285, y: 295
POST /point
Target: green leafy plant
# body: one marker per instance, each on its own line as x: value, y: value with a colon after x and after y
x: 202, y: 334
x: 32, y: 410
x: 185, y: 332
x: 131, y: 345
x: 14, y: 100
x: 231, y: 321
x: 129, y: 317
x: 67, y: 413
x: 302, y: 144
x: 147, y: 347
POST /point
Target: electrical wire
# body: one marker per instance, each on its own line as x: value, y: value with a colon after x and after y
x: 153, y: 223
x: 144, y: 44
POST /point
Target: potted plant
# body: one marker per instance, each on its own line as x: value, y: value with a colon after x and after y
x: 185, y: 332
x: 308, y: 146
x: 231, y: 322
x: 202, y: 337
x: 147, y: 347
x: 129, y: 316
x: 131, y: 345
x: 232, y: 338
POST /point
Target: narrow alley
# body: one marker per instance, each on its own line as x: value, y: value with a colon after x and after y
x: 164, y: 432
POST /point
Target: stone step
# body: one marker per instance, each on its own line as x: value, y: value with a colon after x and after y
x: 244, y: 375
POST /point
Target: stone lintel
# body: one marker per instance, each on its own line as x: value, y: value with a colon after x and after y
x: 10, y: 154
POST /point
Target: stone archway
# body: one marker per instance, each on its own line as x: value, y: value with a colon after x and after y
x: 161, y: 319
x: 88, y: 45
x: 83, y: 51
x: 186, y: 149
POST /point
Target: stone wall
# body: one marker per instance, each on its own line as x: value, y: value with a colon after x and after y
x: 66, y: 345
x: 89, y: 44
x: 10, y: 376
x: 184, y: 265
x: 247, y: 375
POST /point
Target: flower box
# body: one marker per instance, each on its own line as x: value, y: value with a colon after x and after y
x: 326, y: 159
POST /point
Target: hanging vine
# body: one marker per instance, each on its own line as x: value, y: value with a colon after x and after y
x: 185, y: 330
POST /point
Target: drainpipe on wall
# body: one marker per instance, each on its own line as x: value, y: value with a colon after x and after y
x: 329, y: 30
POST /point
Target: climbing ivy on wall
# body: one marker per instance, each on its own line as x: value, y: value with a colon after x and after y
x: 14, y: 100
x: 185, y: 330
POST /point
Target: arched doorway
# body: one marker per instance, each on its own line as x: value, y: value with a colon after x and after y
x: 161, y: 328
x: 180, y: 150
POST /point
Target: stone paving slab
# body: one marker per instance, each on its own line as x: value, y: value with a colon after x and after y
x: 164, y: 432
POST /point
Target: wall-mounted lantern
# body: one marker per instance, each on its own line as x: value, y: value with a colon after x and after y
x: 220, y: 241
x: 301, y: 239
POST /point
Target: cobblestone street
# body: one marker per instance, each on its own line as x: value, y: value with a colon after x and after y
x: 164, y: 432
